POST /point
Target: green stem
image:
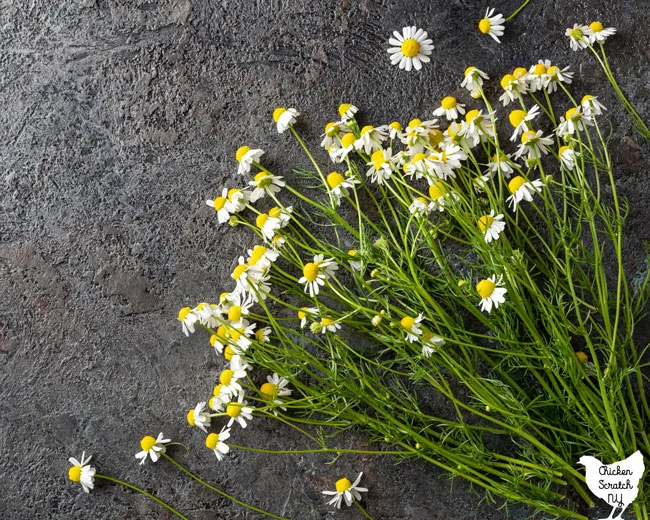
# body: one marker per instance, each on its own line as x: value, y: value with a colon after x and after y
x: 517, y: 11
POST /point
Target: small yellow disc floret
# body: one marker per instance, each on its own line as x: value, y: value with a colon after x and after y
x: 182, y: 314
x: 234, y: 313
x: 310, y: 271
x: 74, y: 473
x: 212, y: 440
x: 335, y: 179
x: 190, y: 418
x: 277, y: 113
x: 407, y: 322
x: 343, y: 485
x: 516, y: 117
x: 233, y: 410
x: 226, y: 376
x: 241, y: 151
x: 448, y: 102
x: 269, y: 391
x: 484, y: 223
x: 596, y: 27
x: 485, y: 288
x: 147, y: 442
x: 261, y: 219
x: 516, y: 183
x: 410, y: 48
x: 484, y: 26
x: 348, y: 140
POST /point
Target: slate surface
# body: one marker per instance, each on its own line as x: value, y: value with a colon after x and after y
x: 118, y: 119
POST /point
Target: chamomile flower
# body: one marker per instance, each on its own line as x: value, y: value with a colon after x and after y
x: 218, y: 401
x: 333, y: 133
x: 555, y: 75
x: 599, y: 33
x: 346, y: 490
x: 537, y: 75
x: 473, y: 80
x: 263, y: 335
x: 339, y: 185
x: 316, y: 273
x: 591, y: 106
x: 220, y: 206
x: 450, y: 108
x: 284, y: 118
x: 381, y: 166
x: 329, y: 324
x: 477, y: 127
x: 187, y: 319
x: 371, y: 138
x: 440, y: 196
x: 412, y: 327
x: 240, y: 307
x: 216, y: 443
x: 578, y: 36
x: 568, y: 157
x: 274, y: 388
x: 246, y: 156
x: 355, y: 260
x: 196, y: 417
x: 410, y: 49
x: 416, y: 134
x: 501, y: 163
x: 260, y: 257
x: 521, y: 189
x: 520, y: 119
x: 394, y: 130
x: 573, y: 121
x: 419, y: 207
x: 431, y: 343
x: 236, y: 200
x: 491, y: 226
x: 447, y: 160
x: 204, y: 313
x: 306, y: 312
x: 492, y: 24
x: 267, y: 225
x: 82, y: 472
x: 339, y: 155
x: 534, y: 144
x: 418, y: 166
x: 347, y: 111
x: 152, y: 447
x: 492, y: 293
x: 513, y: 85
x: 265, y: 183
x: 239, y: 412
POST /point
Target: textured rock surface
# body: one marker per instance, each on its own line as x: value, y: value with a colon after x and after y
x: 119, y: 118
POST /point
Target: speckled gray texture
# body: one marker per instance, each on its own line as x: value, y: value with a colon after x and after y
x: 118, y: 119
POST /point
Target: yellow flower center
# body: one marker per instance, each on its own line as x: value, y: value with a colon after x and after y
x: 259, y: 335
x: 507, y: 80
x: 348, y: 140
x: 563, y: 149
x: 484, y: 223
x: 395, y: 126
x: 74, y: 473
x: 539, y: 69
x: 269, y: 391
x: 586, y: 98
x: 484, y: 26
x: 519, y: 72
x: 310, y: 271
x: 212, y: 439
x: 234, y: 313
x: 448, y: 102
x: 572, y: 113
x: 596, y: 27
x: 407, y: 322
x: 216, y: 391
x: 367, y: 129
x: 437, y: 190
x: 469, y: 70
x: 418, y: 157
x: 377, y: 159
x: 435, y: 137
x: 343, y: 108
x: 222, y: 332
x: 415, y: 122
x: 553, y: 70
x: 235, y: 334
x: 343, y: 485
x: 238, y: 271
x: 331, y: 129
x: 576, y: 34
x: 277, y: 113
x: 582, y: 357
x: 516, y: 117
x: 274, y: 212
x: 410, y: 48
x: 258, y: 252
x: 500, y: 158
x: 241, y: 151
x: 421, y: 200
x: 182, y: 314
x: 233, y: 410
x: 226, y: 377
x: 527, y: 136
x: 147, y: 442
x: 219, y: 202
x: 471, y: 115
x: 516, y: 183
x: 335, y: 179
x: 453, y: 129
x: 326, y: 322
x: 228, y: 353
x: 301, y: 313
x: 213, y: 339
x: 190, y: 418
x: 261, y: 219
x: 485, y: 288
x: 263, y: 179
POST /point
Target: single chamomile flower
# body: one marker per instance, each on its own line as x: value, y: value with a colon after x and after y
x: 473, y: 80
x: 329, y: 324
x: 578, y: 36
x: 338, y: 155
x: 152, y: 447
x: 537, y: 75
x: 381, y: 166
x: 263, y: 335
x: 346, y: 490
x: 239, y: 412
x: 355, y: 260
x: 215, y: 442
x: 417, y: 133
x: 492, y: 24
x: 316, y: 273
x: 450, y: 108
x: 306, y: 312
x: 339, y: 185
x: 431, y: 343
x: 371, y: 138
x: 591, y: 106
x: 267, y: 225
x: 264, y: 183
x: 333, y: 133
x: 534, y: 144
x: 501, y: 163
x: 412, y: 327
x: 187, y: 319
x: 419, y: 207
x: 440, y: 196
x: 555, y: 75
x: 491, y: 226
x: 568, y: 157
x: 477, y: 127
x: 521, y: 189
x: 82, y: 472
x: 599, y: 33
x: 220, y: 206
x: 573, y: 121
x: 519, y: 119
x: 246, y: 157
x: 197, y: 418
x: 274, y: 387
x: 410, y: 49
x: 284, y: 118
x: 347, y: 112
x: 492, y: 293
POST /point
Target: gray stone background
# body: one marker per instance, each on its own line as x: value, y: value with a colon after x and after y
x: 118, y: 119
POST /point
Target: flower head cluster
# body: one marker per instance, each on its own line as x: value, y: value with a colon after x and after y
x: 410, y: 48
